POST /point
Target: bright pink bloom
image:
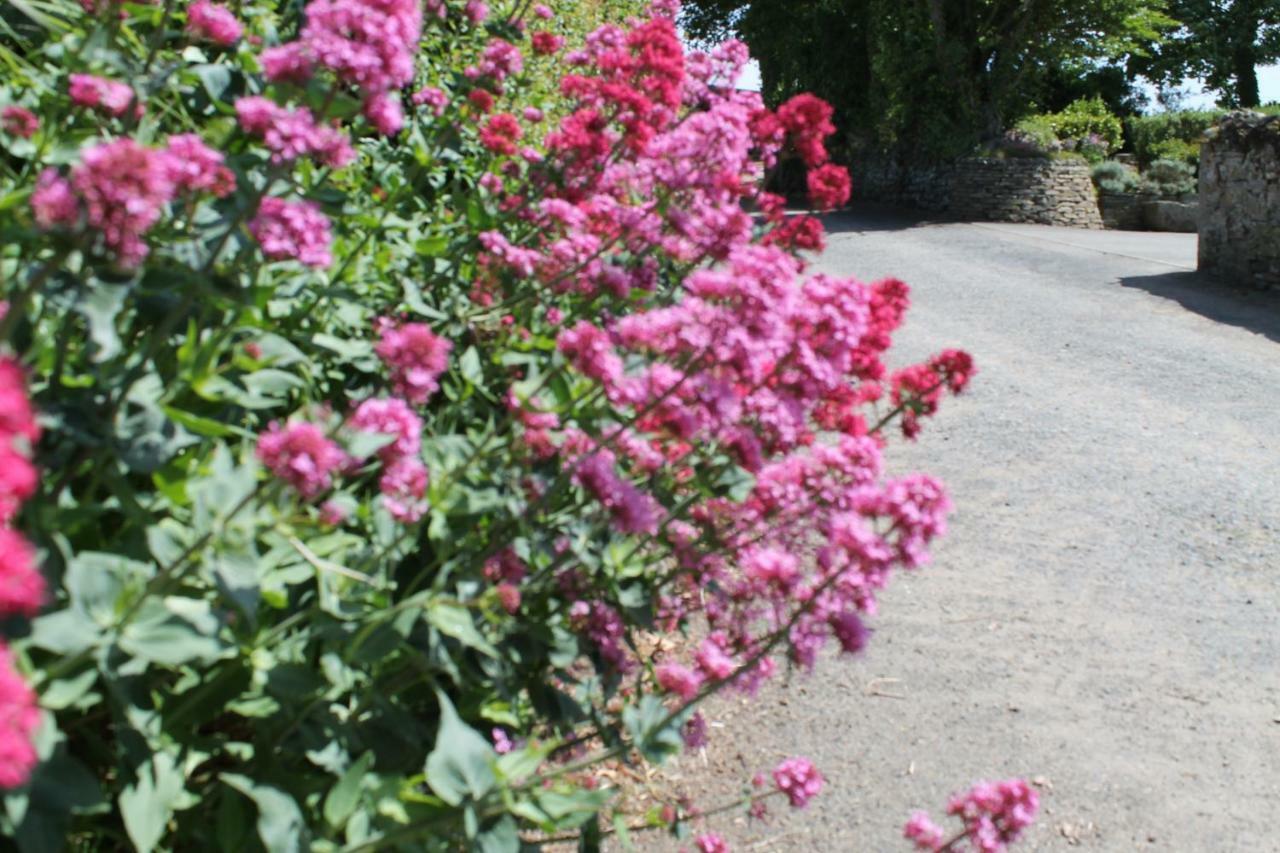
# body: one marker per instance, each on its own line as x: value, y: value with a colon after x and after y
x: 54, y: 202
x: 415, y: 355
x: 711, y: 843
x: 807, y: 119
x: 293, y: 133
x: 390, y: 416
x: 605, y: 630
x: 543, y: 11
x: 287, y: 63
x: 213, y: 23
x: 477, y: 11
x: 124, y: 188
x: 369, y: 44
x: 829, y: 186
x: 197, y: 167
x: 19, y: 719
x: 501, y: 59
x: 110, y: 97
x: 545, y: 43
x: 713, y: 660
x: 19, y: 121
x: 501, y: 134
x: 799, y: 780
x: 679, y: 679
x: 850, y: 631
x: 404, y: 485
x: 293, y: 230
x: 431, y: 97
x: 302, y: 455
x: 632, y: 510
x: 385, y: 113
x: 22, y: 587
x: 17, y: 418
x: 18, y: 481
x: 995, y: 814
x: 921, y: 830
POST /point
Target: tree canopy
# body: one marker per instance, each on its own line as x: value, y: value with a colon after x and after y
x: 1222, y: 42
x: 934, y: 74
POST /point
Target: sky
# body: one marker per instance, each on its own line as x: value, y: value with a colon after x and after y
x: 1197, y: 98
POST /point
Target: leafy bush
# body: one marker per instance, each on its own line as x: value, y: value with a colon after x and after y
x: 1038, y: 130
x: 1086, y: 127
x: 1170, y: 135
x: 382, y: 440
x: 1088, y: 117
x: 1113, y: 177
x: 1169, y: 179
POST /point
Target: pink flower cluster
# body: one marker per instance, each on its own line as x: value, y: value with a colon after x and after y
x: 799, y: 780
x: 301, y: 455
x: 416, y: 357
x: 99, y: 93
x: 22, y: 586
x: 367, y: 44
x: 309, y: 461
x: 293, y: 230
x: 19, y: 719
x: 404, y: 479
x: 711, y: 843
x: 293, y: 133
x: 656, y: 164
x: 994, y: 815
x: 120, y: 190
x: 19, y: 121
x: 214, y: 23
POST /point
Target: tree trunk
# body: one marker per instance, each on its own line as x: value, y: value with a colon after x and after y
x: 1246, y: 75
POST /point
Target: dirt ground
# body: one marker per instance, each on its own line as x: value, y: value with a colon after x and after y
x: 1102, y: 617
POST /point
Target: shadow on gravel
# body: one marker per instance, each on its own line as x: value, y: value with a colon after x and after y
x: 869, y: 218
x: 1254, y: 310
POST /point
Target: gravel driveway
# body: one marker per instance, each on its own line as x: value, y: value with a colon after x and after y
x: 1102, y: 617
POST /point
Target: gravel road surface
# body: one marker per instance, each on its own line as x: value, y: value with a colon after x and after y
x: 1103, y: 616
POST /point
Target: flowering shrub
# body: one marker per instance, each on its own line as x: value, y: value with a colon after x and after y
x: 381, y: 406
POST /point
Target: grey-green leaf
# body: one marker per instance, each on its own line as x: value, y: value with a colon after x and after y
x: 280, y: 823
x: 461, y: 765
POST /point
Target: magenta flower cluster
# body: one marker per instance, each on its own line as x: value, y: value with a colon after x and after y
x: 366, y: 44
x: 22, y: 585
x: 993, y: 814
x: 119, y: 190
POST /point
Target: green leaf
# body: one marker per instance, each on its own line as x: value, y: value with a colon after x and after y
x: 345, y: 795
x: 67, y: 632
x: 460, y: 765
x: 362, y: 445
x: 502, y: 836
x: 147, y: 803
x: 214, y: 78
x: 98, y: 583
x: 100, y: 305
x: 456, y: 622
x: 280, y: 823
x: 174, y: 631
x: 644, y: 722
x: 736, y: 483
x: 470, y: 367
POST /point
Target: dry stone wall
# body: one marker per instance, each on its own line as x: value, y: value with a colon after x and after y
x: 1049, y: 192
x: 1240, y: 200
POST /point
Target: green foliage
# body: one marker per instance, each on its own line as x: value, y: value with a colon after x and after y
x: 1169, y: 179
x: 1171, y: 135
x: 219, y: 667
x: 1088, y: 117
x: 1221, y: 43
x: 928, y: 77
x: 1113, y: 177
